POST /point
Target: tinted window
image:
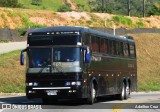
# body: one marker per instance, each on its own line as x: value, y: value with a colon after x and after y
x: 117, y: 48
x: 114, y: 51
x: 87, y: 39
x: 66, y: 54
x: 66, y: 40
x: 132, y: 51
x: 95, y: 44
x: 54, y: 40
x: 39, y: 57
x: 121, y: 49
x: 40, y: 40
x: 110, y: 46
x: 126, y: 53
x: 103, y: 47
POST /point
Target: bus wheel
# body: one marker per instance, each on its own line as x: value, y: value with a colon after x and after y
x: 123, y: 92
x: 127, y: 91
x: 92, y: 95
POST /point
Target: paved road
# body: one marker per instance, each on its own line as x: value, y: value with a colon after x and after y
x: 107, y: 104
x: 7, y: 47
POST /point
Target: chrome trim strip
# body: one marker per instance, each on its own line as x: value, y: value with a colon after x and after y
x: 51, y: 88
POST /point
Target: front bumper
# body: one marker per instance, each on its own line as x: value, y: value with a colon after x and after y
x: 61, y: 92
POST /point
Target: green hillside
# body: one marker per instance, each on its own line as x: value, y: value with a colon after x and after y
x: 46, y: 4
x: 81, y: 5
x: 152, y: 7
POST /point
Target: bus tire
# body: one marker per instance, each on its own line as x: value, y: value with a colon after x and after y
x: 127, y: 91
x: 92, y: 95
x: 122, y: 95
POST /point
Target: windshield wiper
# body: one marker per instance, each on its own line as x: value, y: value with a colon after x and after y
x: 46, y: 65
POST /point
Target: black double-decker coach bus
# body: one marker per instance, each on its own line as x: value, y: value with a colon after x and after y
x: 67, y: 62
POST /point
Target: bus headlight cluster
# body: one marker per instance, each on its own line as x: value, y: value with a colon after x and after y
x: 74, y: 83
x: 32, y: 84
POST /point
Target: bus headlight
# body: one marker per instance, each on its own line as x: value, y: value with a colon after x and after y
x: 78, y: 83
x: 67, y: 84
x: 35, y: 84
x: 32, y: 84
x: 74, y: 83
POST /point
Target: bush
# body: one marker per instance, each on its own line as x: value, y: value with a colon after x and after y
x: 65, y: 8
x: 122, y: 20
x: 10, y: 3
x: 36, y: 2
x: 140, y: 24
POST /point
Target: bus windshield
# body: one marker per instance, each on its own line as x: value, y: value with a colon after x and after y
x: 39, y: 57
x: 68, y: 54
x: 61, y: 59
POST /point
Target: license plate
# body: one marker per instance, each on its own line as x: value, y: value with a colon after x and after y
x: 51, y: 92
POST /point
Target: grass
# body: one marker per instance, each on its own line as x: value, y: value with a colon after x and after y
x: 53, y: 4
x: 148, y: 54
x: 82, y: 5
x: 13, y: 75
x: 150, y: 86
x: 122, y: 20
x: 5, y: 41
x: 46, y: 4
x: 139, y: 24
x: 3, y: 16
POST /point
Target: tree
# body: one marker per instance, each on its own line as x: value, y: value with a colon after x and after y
x: 155, y: 9
x: 10, y: 3
x: 121, y: 7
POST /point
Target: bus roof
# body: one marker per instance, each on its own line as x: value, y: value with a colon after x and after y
x: 80, y: 30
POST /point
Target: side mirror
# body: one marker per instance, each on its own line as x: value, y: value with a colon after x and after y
x: 22, y: 57
x: 87, y: 55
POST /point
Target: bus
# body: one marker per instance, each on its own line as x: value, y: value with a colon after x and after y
x: 69, y: 62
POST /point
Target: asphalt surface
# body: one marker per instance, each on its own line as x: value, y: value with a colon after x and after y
x: 138, y: 102
x: 11, y: 46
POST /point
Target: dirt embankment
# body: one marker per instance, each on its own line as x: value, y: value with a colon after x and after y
x: 14, y: 18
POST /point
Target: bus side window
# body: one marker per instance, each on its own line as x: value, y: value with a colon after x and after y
x: 87, y: 39
x: 117, y: 48
x: 95, y: 44
x: 103, y: 47
x: 110, y: 47
x: 121, y: 49
x: 107, y: 50
x: 126, y: 53
x: 132, y: 51
x: 114, y: 52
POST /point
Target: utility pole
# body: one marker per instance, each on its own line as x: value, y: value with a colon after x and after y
x: 102, y: 6
x: 129, y: 7
x: 144, y: 8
